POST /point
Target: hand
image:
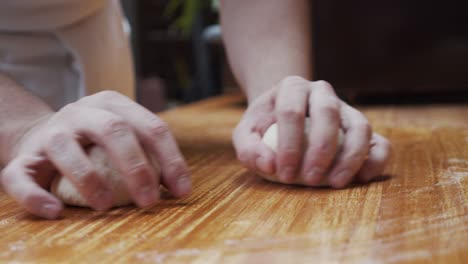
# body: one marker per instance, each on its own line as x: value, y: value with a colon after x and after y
x: 123, y: 128
x: 363, y: 155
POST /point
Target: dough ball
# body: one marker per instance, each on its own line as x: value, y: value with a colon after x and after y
x: 63, y: 188
x: 270, y: 138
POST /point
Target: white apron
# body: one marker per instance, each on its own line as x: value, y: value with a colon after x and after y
x: 61, y: 50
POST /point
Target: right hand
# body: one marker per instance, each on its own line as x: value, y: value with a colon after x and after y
x: 362, y: 156
x: 123, y: 128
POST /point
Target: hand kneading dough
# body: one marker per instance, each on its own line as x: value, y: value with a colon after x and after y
x: 270, y: 138
x: 63, y: 189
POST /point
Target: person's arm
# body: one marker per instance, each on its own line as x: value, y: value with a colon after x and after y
x: 267, y: 41
x: 19, y: 111
x: 269, y: 48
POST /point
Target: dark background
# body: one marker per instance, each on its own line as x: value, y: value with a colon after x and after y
x: 393, y: 50
x: 373, y: 52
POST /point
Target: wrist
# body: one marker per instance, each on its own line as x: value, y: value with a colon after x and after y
x: 256, y: 89
x: 13, y: 134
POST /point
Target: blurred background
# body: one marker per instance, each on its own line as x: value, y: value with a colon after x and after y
x: 373, y: 52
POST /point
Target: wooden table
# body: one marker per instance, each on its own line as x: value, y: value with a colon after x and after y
x: 233, y: 216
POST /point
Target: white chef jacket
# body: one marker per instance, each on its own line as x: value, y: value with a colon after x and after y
x: 61, y: 50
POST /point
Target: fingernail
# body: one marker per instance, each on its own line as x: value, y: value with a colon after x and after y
x: 184, y: 185
x: 287, y: 174
x: 102, y: 200
x: 337, y: 181
x: 50, y: 210
x: 313, y: 175
x: 263, y: 164
x: 147, y: 196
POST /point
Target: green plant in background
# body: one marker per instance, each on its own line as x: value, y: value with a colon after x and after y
x: 190, y: 9
x: 185, y: 15
x: 215, y: 4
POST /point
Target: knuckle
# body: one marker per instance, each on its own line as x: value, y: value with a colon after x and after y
x: 136, y: 154
x: 320, y: 154
x: 108, y: 95
x: 291, y: 113
x: 323, y: 147
x: 157, y: 128
x: 243, y: 127
x: 138, y: 168
x: 58, y: 136
x: 330, y: 110
x: 290, y: 153
x: 355, y: 158
x: 292, y: 81
x: 56, y: 140
x: 69, y: 108
x: 363, y: 125
x: 6, y: 178
x: 115, y: 126
x: 333, y: 102
x: 321, y: 84
x: 290, y: 156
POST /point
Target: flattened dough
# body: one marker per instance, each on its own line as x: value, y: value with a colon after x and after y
x: 270, y: 138
x: 63, y: 188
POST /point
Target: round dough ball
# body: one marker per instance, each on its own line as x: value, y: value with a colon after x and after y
x: 64, y: 189
x: 270, y: 138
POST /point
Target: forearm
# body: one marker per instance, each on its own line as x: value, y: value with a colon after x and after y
x: 266, y: 41
x: 19, y: 110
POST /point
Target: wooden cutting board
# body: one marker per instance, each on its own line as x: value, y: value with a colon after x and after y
x: 418, y: 214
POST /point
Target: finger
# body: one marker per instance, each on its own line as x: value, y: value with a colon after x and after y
x: 121, y: 144
x: 68, y: 157
x: 22, y: 187
x: 156, y: 136
x: 357, y: 135
x: 290, y: 109
x: 250, y: 149
x: 324, y: 112
x: 378, y: 157
x: 175, y: 173
x: 247, y: 136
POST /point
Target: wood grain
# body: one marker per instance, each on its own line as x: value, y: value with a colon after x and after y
x: 417, y: 215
